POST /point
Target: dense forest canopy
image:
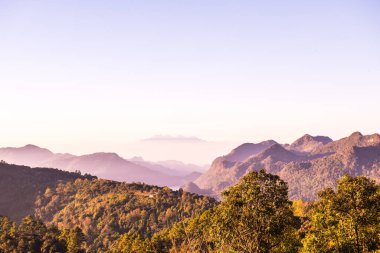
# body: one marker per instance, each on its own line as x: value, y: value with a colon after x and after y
x: 32, y: 235
x: 104, y: 209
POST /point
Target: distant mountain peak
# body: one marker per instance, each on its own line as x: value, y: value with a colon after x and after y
x: 307, y: 137
x: 31, y: 146
x: 249, y: 145
x: 278, y: 152
x: 275, y: 148
x: 270, y: 142
x: 308, y: 143
x: 246, y: 150
x: 104, y: 155
x: 356, y: 134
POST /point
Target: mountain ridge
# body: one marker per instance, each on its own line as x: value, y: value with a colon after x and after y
x: 309, y: 164
x: 308, y: 143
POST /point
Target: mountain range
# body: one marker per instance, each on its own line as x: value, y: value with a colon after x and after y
x: 309, y: 164
x: 105, y: 165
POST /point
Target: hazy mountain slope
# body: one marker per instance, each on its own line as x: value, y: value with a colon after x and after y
x: 105, y: 165
x: 112, y: 166
x: 29, y: 155
x: 20, y: 185
x: 192, y: 176
x: 219, y: 175
x: 156, y: 166
x: 308, y: 165
x: 180, y: 166
x: 246, y: 150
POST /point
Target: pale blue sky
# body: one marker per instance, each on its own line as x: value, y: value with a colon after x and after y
x: 93, y: 75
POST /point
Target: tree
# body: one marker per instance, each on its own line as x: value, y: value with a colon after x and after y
x: 131, y: 243
x: 346, y: 220
x: 33, y: 236
x: 191, y: 235
x: 256, y: 216
x: 52, y: 241
x: 74, y: 239
x: 30, y: 233
x: 8, y: 229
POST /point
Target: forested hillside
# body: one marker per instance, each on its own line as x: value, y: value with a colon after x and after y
x: 20, y: 186
x: 104, y: 209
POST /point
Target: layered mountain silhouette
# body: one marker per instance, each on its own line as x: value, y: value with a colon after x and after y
x: 171, y: 167
x: 30, y: 155
x: 308, y: 165
x: 104, y: 165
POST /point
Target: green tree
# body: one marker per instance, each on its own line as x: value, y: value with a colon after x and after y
x: 74, y: 240
x: 30, y: 233
x: 33, y: 236
x: 8, y: 240
x: 346, y: 220
x: 52, y: 242
x: 256, y: 216
x: 131, y: 243
x: 191, y: 235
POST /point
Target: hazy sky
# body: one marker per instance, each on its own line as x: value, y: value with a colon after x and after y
x: 85, y: 76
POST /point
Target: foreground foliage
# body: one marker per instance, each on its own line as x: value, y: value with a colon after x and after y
x: 254, y: 216
x: 346, y: 220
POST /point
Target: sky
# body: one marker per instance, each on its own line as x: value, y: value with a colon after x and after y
x: 86, y: 76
